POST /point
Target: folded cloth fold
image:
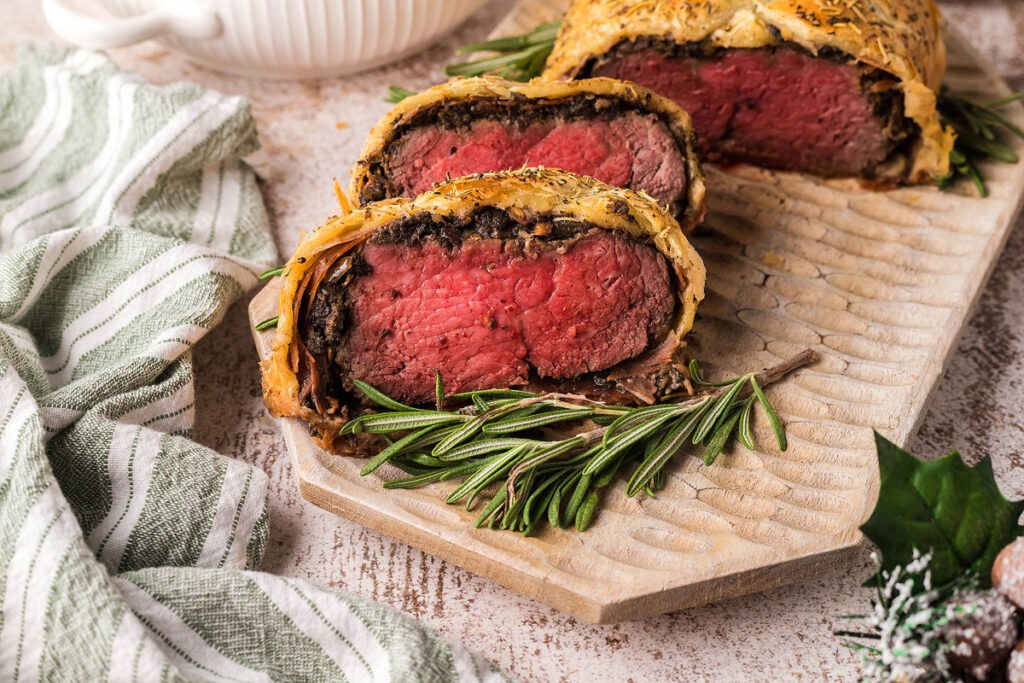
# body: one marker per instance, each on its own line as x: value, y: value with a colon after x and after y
x: 128, y: 225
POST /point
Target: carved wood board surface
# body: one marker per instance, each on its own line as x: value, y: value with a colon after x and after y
x: 879, y: 283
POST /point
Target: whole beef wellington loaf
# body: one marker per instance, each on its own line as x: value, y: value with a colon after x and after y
x: 831, y: 87
x: 535, y: 279
x: 616, y: 132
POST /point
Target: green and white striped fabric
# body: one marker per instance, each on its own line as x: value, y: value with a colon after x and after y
x: 127, y: 226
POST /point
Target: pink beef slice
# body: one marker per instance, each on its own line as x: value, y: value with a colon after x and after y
x: 627, y: 150
x: 484, y: 314
x: 777, y: 108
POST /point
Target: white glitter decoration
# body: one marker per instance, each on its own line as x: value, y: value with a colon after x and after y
x: 913, y: 644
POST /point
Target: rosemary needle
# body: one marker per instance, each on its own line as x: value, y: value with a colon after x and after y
x: 272, y: 272
x: 396, y: 94
x: 266, y: 324
x: 493, y: 437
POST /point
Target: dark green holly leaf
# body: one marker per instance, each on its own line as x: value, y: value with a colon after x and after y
x: 944, y: 506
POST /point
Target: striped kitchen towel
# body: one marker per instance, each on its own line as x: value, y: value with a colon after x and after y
x: 128, y: 224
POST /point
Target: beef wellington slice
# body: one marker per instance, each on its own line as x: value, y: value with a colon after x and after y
x: 533, y: 279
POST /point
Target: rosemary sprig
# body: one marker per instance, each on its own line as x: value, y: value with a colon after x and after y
x: 266, y: 275
x: 396, y: 94
x: 519, y: 58
x: 266, y: 324
x: 978, y: 127
x: 486, y: 437
x: 272, y: 272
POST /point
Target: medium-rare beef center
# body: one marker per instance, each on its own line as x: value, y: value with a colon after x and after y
x: 832, y: 87
x: 491, y: 300
x: 534, y: 279
x: 617, y: 132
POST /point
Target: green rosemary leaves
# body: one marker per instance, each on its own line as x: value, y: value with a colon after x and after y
x: 276, y: 271
x: 519, y: 58
x: 396, y: 94
x: 266, y: 324
x: 502, y: 436
x: 978, y: 127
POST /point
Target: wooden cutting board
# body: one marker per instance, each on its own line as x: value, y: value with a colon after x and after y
x: 880, y: 283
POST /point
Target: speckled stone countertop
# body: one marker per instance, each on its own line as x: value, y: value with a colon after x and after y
x: 311, y: 132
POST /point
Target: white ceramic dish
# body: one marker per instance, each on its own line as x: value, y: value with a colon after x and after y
x: 269, y: 38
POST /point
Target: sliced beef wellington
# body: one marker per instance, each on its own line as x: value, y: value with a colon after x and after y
x: 831, y: 87
x: 616, y: 132
x: 536, y: 279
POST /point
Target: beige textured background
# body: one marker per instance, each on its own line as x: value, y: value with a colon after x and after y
x: 311, y: 132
